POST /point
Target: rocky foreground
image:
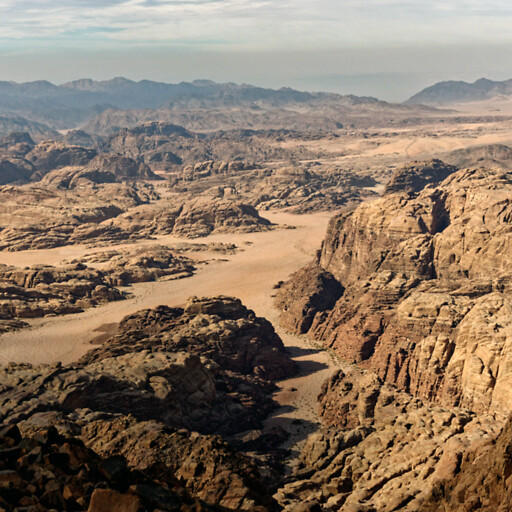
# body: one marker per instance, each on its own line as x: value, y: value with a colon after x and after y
x: 208, y: 368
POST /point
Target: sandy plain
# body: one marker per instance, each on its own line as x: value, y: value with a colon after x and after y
x: 250, y: 274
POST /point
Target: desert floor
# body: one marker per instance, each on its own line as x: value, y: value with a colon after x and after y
x: 250, y: 274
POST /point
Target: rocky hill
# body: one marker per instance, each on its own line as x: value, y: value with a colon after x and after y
x: 22, y: 160
x: 209, y: 366
x: 482, y: 482
x: 461, y: 92
x: 481, y: 155
x: 39, y: 131
x: 425, y: 278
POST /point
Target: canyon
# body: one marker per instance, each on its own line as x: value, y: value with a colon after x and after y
x: 303, y: 305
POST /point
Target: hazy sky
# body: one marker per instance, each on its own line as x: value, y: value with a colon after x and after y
x: 387, y: 48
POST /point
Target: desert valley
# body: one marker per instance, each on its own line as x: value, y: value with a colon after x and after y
x: 220, y: 297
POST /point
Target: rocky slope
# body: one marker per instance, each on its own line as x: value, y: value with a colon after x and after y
x: 486, y: 155
x: 426, y: 294
x: 37, y: 216
x: 209, y: 367
x: 14, y: 123
x: 482, y: 482
x: 48, y: 471
x: 381, y: 450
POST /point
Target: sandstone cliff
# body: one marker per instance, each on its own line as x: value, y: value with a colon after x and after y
x: 426, y: 289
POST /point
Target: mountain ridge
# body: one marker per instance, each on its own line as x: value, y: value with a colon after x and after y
x: 458, y: 91
x: 74, y: 104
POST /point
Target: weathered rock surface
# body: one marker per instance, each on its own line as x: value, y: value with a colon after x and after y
x: 208, y: 367
x: 44, y: 290
x: 202, y: 217
x: 40, y: 217
x: 203, y: 467
x: 303, y: 188
x: 22, y: 160
x: 50, y: 155
x: 426, y: 278
x: 122, y: 167
x: 382, y: 450
x: 139, y: 265
x: 482, y: 483
x: 415, y: 177
x: 220, y: 329
x: 70, y: 288
x: 192, y: 219
x: 52, y: 472
x: 309, y: 291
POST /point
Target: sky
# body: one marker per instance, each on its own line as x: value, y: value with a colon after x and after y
x: 385, y: 48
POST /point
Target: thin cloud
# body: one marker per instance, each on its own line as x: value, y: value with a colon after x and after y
x: 254, y: 23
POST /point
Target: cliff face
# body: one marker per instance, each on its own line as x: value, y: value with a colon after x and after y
x: 426, y: 279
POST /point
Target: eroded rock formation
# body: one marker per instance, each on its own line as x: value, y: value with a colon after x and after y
x: 208, y: 367
x: 426, y: 289
x: 381, y: 450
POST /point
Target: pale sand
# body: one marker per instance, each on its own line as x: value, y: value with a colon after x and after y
x: 249, y: 275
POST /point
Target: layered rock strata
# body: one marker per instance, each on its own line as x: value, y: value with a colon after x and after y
x: 381, y: 450
x: 426, y: 301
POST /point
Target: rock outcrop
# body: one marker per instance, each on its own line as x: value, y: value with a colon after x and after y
x: 44, y: 290
x: 39, y: 291
x: 482, y: 483
x: 208, y: 367
x: 309, y: 291
x: 202, y: 217
x: 302, y: 188
x: 481, y: 155
x: 192, y: 219
x: 40, y: 217
x: 140, y: 265
x: 426, y: 290
x: 21, y: 160
x: 48, y: 156
x: 52, y: 472
x: 381, y: 450
x: 414, y: 178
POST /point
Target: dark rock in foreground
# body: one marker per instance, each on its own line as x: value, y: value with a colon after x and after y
x: 208, y: 367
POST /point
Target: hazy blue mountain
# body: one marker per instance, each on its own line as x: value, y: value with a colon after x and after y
x: 460, y: 92
x: 72, y: 104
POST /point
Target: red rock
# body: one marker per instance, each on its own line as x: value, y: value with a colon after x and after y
x: 104, y: 500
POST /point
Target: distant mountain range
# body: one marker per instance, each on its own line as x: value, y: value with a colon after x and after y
x: 104, y: 107
x: 71, y: 104
x: 444, y: 93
